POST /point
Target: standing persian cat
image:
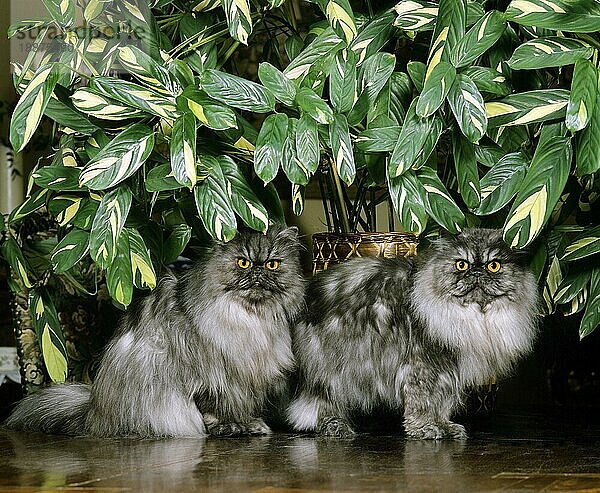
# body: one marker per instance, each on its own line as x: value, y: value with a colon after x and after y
x: 201, y: 353
x: 411, y: 334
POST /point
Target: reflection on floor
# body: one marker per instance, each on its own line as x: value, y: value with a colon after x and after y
x: 510, y: 453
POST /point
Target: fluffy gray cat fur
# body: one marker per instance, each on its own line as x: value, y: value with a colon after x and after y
x: 411, y: 335
x: 201, y: 353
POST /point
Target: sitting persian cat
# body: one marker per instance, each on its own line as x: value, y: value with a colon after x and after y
x: 200, y: 353
x: 411, y: 334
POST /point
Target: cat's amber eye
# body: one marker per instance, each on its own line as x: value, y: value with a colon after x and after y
x: 243, y: 263
x: 494, y: 266
x: 461, y: 265
x: 272, y: 264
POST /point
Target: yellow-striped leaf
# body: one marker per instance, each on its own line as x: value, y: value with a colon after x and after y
x: 62, y: 11
x: 11, y: 252
x: 408, y: 198
x: 298, y: 200
x: 584, y: 245
x: 323, y: 45
x: 582, y: 99
x: 31, y: 106
x: 371, y: 38
x: 244, y: 201
x: 142, y: 269
x: 136, y: 96
x: 582, y: 16
x: 340, y: 16
x: 183, y: 150
x: 93, y: 103
x: 148, y: 71
x: 435, y: 89
x: 269, y: 146
x: 31, y: 204
x: 60, y: 178
x: 415, y: 16
x: 120, y: 159
x: 540, y: 191
x: 206, y: 110
x: 213, y: 202
x: 438, y: 202
x: 467, y: 106
x: 70, y: 250
x: 119, y: 274
x: 341, y: 147
x: 108, y: 224
x: 49, y: 333
x: 527, y: 107
x: 481, y: 37
x: 549, y: 52
x: 591, y: 316
x: 239, y: 19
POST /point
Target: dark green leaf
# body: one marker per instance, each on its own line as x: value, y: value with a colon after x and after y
x: 314, y: 106
x: 467, y: 106
x: 467, y: 173
x: 582, y: 98
x: 549, y: 52
x: 341, y: 147
x: 584, y: 245
x: 478, y: 39
x: 236, y: 91
x: 183, y: 150
x: 70, y: 250
x: 591, y: 316
x: 119, y: 275
x: 269, y: 146
x: 206, y: 110
x: 274, y: 80
x: 435, y: 89
x: 61, y: 178
x: 342, y: 81
x: 408, y: 197
x: 307, y: 143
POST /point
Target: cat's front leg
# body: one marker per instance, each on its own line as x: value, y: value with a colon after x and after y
x: 429, y: 401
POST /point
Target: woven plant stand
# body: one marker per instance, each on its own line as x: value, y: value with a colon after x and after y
x: 330, y: 249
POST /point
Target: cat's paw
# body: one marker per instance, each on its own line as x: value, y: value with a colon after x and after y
x: 456, y: 431
x: 226, y: 430
x: 257, y: 427
x: 335, y: 427
x: 425, y: 431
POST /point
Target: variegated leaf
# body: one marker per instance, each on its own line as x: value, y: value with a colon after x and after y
x: 341, y: 147
x: 340, y: 17
x: 582, y: 16
x: 108, y: 224
x: 438, y: 202
x: 175, y: 243
x: 269, y: 146
x: 343, y: 81
x: 312, y: 105
x: 435, y: 89
x: 584, y: 245
x: 307, y: 143
x: 416, y: 15
x: 591, y: 316
x: 206, y: 110
x: 571, y: 285
x: 31, y: 106
x: 60, y: 178
x: 142, y: 269
x: 213, y: 202
x: 481, y: 37
x: 239, y: 19
x: 119, y: 274
x: 450, y: 27
x: 501, y: 183
x: 488, y: 80
x: 160, y: 178
x: 465, y: 164
x: 298, y: 200
x: 11, y: 252
x: 381, y: 139
x: 31, y: 204
x: 49, y: 332
x: 237, y: 91
x: 244, y: 201
x: 324, y: 44
x: 413, y: 138
x: 275, y: 81
x: 70, y: 250
x: 293, y: 168
x: 588, y: 148
x: 183, y: 150
x: 527, y: 107
x: 372, y: 37
x: 72, y: 209
x: 118, y: 160
x: 549, y: 52
x: 148, y: 71
x: 583, y: 95
x: 540, y: 190
x: 136, y: 96
x: 62, y: 11
x: 408, y: 198
x: 467, y: 106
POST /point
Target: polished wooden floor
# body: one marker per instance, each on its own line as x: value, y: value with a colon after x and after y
x: 510, y: 453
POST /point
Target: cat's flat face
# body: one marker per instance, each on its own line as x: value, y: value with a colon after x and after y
x: 476, y: 267
x: 259, y: 267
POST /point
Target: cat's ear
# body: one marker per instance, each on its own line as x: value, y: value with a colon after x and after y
x: 281, y: 231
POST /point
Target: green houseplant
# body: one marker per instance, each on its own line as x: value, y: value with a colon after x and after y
x: 458, y: 112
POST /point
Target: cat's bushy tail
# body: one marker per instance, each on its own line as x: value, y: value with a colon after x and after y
x: 60, y: 409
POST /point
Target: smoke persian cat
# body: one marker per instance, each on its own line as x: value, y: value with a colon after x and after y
x: 411, y: 334
x: 202, y: 353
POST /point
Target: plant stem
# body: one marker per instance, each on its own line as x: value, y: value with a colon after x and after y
x: 340, y: 197
x: 324, y: 199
